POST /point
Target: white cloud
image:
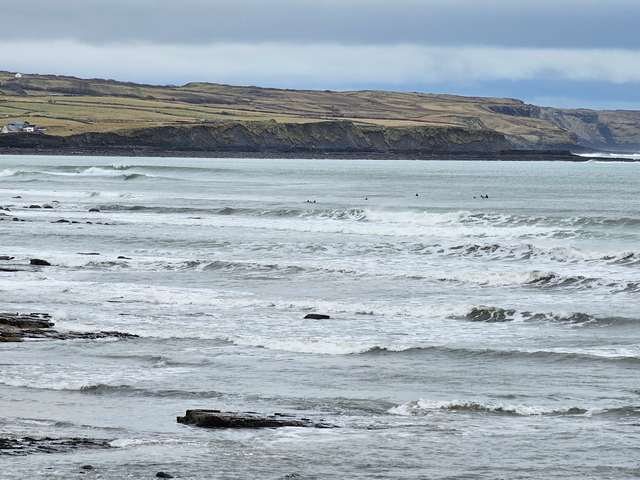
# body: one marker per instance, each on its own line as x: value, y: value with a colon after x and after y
x: 317, y: 65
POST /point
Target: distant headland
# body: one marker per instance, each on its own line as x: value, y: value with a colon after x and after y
x: 51, y: 114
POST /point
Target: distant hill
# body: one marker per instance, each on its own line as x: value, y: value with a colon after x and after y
x: 194, y: 116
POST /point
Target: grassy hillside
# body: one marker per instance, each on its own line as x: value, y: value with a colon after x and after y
x: 68, y: 106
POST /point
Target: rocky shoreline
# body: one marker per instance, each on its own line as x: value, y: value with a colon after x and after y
x: 20, y: 446
x: 16, y: 327
x: 129, y: 151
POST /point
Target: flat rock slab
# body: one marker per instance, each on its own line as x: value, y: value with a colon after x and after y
x: 30, y: 320
x: 14, y: 327
x: 28, y: 445
x: 219, y: 419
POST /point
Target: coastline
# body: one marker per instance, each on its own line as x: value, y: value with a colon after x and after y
x: 508, y: 155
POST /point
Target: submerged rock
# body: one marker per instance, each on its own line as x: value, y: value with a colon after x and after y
x: 316, y: 316
x: 14, y: 327
x: 219, y: 419
x: 163, y: 475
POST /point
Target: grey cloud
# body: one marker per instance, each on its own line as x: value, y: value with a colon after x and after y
x: 325, y: 64
x: 517, y: 23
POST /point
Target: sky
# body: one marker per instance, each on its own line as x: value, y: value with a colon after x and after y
x: 565, y: 53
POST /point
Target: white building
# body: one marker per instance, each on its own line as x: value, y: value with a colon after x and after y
x: 22, y: 127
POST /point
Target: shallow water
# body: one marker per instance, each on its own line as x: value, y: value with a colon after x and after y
x: 226, y: 257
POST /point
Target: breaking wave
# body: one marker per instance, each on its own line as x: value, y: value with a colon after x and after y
x: 264, y: 267
x: 496, y: 315
x: 548, y: 354
x: 425, y: 407
x: 89, y: 171
x: 549, y: 280
x: 424, y: 218
x: 126, y: 390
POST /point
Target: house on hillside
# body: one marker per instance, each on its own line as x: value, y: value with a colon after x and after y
x: 22, y: 127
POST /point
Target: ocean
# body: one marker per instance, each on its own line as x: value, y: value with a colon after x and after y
x: 485, y: 317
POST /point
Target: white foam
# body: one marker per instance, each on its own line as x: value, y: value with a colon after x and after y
x: 425, y: 407
x: 627, y: 156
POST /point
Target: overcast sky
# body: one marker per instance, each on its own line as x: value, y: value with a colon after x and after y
x: 553, y: 52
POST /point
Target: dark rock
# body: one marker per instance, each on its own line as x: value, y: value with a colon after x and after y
x: 16, y: 446
x: 34, y: 206
x: 17, y: 196
x: 94, y: 210
x: 46, y: 205
x: 218, y: 419
x: 32, y: 320
x: 62, y: 220
x: 39, y: 262
x: 576, y: 411
x: 86, y: 467
x: 94, y: 335
x: 163, y: 475
x: 9, y: 339
x: 122, y: 257
x: 490, y: 314
x: 15, y: 326
x: 316, y: 316
x: 15, y: 219
x: 6, y: 257
x: 88, y: 253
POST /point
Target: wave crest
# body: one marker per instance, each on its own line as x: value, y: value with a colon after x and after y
x: 127, y: 390
x: 425, y: 407
x: 490, y: 314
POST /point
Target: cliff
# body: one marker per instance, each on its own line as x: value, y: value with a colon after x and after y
x: 340, y: 137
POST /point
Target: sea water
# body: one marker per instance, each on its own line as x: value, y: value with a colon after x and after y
x: 411, y: 260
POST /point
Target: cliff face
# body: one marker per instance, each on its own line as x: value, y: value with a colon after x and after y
x: 599, y: 129
x: 606, y: 129
x: 273, y: 137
